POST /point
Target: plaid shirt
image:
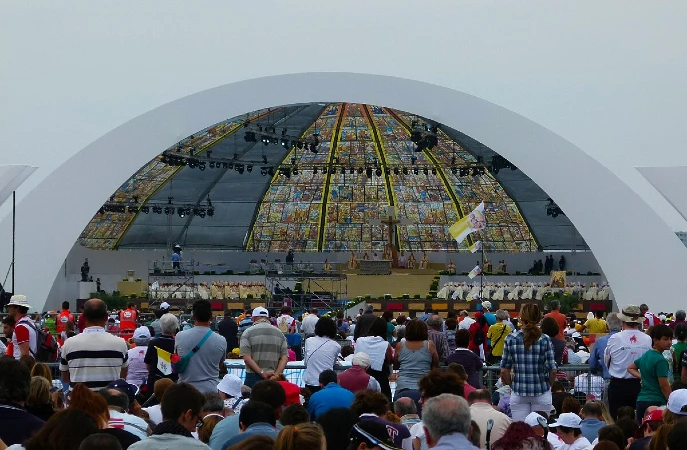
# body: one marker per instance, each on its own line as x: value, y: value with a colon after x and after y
x: 531, y: 366
x: 440, y: 343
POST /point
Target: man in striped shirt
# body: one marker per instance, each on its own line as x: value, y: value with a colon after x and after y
x: 94, y: 357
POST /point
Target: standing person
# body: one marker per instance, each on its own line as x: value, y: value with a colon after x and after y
x: 390, y: 327
x: 229, y: 330
x: 263, y: 348
x: 596, y: 359
x: 414, y: 357
x: 309, y: 322
x: 64, y: 317
x: 155, y: 324
x: 465, y: 320
x: 169, y: 325
x: 596, y: 324
x: 379, y: 350
x: 209, y: 350
x: 650, y: 318
x: 478, y: 335
x: 678, y: 349
x: 8, y: 330
x: 529, y: 353
x: 24, y: 337
x: 285, y: 322
x: 437, y: 337
x: 138, y: 371
x: 679, y: 319
x: 497, y: 335
x: 321, y: 353
x: 560, y: 318
x: 342, y: 327
x: 488, y: 315
x: 181, y: 407
x: 468, y: 359
x: 128, y: 319
x: 94, y: 357
x: 655, y: 387
x: 622, y: 350
x: 363, y: 324
x: 446, y: 421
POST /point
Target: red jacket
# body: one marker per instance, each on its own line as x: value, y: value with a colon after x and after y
x: 127, y: 319
x: 62, y: 319
x: 473, y: 333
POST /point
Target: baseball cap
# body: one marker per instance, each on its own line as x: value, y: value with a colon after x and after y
x: 124, y: 387
x: 569, y: 420
x: 260, y: 312
x: 374, y: 432
x: 230, y: 385
x: 532, y: 419
x: 654, y: 416
x: 677, y: 402
x: 141, y: 334
x: 486, y: 304
x: 361, y: 359
x: 164, y: 305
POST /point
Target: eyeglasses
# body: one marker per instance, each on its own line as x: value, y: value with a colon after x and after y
x: 200, y: 422
x: 357, y: 434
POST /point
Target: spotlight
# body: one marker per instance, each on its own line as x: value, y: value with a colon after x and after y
x: 434, y: 170
x: 396, y: 171
x: 413, y: 159
x: 264, y: 159
x: 299, y: 145
x: 263, y: 171
x: 225, y: 165
x: 169, y: 210
x: 212, y: 164
x: 387, y: 170
x: 157, y: 209
x: 343, y: 171
x: 351, y: 170
x: 416, y: 170
x: 360, y: 170
x: 283, y: 131
x: 201, y: 165
x: 182, y: 212
x: 454, y: 170
x: 426, y: 171
x: 211, y: 212
x: 464, y: 171
x: 324, y: 169
x: 270, y: 171
x: 405, y: 171
x: 378, y: 172
x: 201, y: 213
x: 416, y: 136
x: 285, y: 143
x: 249, y: 168
x: 145, y: 210
x: 294, y: 170
x: 368, y: 172
x: 313, y: 148
x: 239, y: 168
x: 314, y: 170
x: 265, y: 140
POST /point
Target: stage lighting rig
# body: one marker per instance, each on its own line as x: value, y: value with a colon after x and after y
x: 553, y: 210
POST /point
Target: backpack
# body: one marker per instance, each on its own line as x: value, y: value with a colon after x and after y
x: 479, y: 336
x: 283, y: 326
x: 47, y: 348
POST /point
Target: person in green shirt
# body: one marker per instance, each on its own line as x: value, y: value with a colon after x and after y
x: 678, y: 348
x: 652, y: 369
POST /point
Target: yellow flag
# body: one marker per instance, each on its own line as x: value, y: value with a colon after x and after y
x: 477, y: 246
x: 475, y: 221
x: 164, y: 361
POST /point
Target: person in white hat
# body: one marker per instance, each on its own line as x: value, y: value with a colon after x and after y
x: 138, y: 371
x: 24, y: 338
x: 623, y: 349
x: 229, y: 390
x: 356, y: 378
x: 263, y: 348
x: 540, y: 427
x: 568, y: 428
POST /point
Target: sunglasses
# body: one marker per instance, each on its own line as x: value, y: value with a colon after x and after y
x: 200, y: 422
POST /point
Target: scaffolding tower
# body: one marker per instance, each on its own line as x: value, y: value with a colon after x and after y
x: 320, y: 289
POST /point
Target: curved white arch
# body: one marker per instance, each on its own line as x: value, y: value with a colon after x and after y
x: 626, y: 235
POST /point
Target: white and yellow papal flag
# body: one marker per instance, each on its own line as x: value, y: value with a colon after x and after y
x: 474, y: 272
x: 477, y: 246
x: 164, y: 361
x: 475, y: 221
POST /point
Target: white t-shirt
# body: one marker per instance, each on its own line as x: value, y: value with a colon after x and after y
x: 623, y: 349
x: 418, y: 431
x: 128, y: 422
x: 289, y: 321
x: 595, y: 388
x: 321, y: 354
x: 465, y: 323
x: 309, y: 322
x: 580, y: 444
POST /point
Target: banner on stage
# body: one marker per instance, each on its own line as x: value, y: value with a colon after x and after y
x: 558, y: 278
x: 475, y: 221
x: 477, y: 246
x: 474, y: 272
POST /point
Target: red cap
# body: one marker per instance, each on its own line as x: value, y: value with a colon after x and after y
x: 293, y: 393
x: 654, y: 416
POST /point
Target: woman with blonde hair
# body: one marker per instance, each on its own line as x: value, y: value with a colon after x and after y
x: 39, y: 403
x: 42, y: 370
x: 307, y: 436
x: 529, y: 354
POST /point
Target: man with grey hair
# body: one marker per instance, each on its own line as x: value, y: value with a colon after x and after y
x: 405, y: 408
x: 465, y: 320
x: 157, y: 369
x: 446, y: 420
x: 438, y: 338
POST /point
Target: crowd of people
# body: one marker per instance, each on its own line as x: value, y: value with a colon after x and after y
x: 481, y: 380
x: 520, y: 291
